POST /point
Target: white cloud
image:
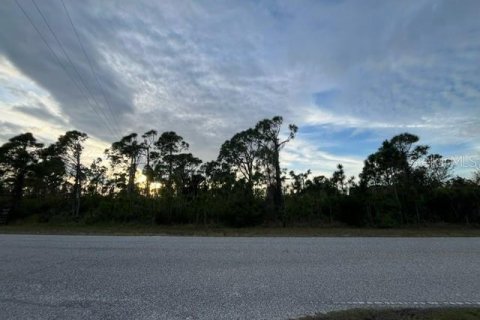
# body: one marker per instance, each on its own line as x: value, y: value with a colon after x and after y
x: 303, y: 155
x: 25, y: 92
x: 209, y: 69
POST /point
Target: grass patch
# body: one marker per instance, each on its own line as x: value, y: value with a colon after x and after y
x: 401, y: 314
x: 32, y: 227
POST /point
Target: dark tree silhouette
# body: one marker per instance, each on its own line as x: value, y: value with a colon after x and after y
x: 17, y: 159
x: 401, y: 183
x: 70, y: 147
x: 130, y: 150
x: 242, y: 154
x: 149, y: 139
x: 168, y: 145
x: 269, y: 139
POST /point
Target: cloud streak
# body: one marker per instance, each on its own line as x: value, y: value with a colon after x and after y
x: 351, y: 72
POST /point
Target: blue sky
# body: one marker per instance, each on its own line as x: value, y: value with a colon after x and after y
x: 350, y: 74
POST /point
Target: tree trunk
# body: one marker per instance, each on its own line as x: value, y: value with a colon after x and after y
x: 330, y: 213
x: 278, y: 195
x: 399, y: 204
x: 147, y: 183
x: 170, y: 174
x: 77, y: 186
x: 17, y: 194
x: 131, y: 176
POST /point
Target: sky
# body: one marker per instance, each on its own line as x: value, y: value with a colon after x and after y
x: 349, y: 74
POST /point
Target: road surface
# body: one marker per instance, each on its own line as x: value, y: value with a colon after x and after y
x: 107, y: 277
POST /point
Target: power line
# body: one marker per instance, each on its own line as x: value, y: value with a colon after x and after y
x: 57, y: 58
x: 82, y: 81
x: 90, y: 64
x: 53, y: 53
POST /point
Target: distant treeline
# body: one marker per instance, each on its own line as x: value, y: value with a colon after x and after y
x: 400, y: 184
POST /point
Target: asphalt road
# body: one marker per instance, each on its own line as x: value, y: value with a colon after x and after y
x: 104, y: 277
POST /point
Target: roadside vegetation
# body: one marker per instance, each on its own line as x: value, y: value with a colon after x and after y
x: 32, y: 226
x: 152, y: 180
x: 401, y: 314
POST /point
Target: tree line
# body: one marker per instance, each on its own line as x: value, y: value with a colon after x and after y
x: 153, y: 178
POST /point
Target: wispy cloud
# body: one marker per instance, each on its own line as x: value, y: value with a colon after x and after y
x: 351, y: 72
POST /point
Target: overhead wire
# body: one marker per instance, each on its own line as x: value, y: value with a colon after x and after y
x: 90, y: 63
x: 59, y: 61
x: 73, y: 67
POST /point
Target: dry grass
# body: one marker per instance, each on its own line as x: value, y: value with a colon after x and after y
x: 401, y: 314
x: 28, y: 227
